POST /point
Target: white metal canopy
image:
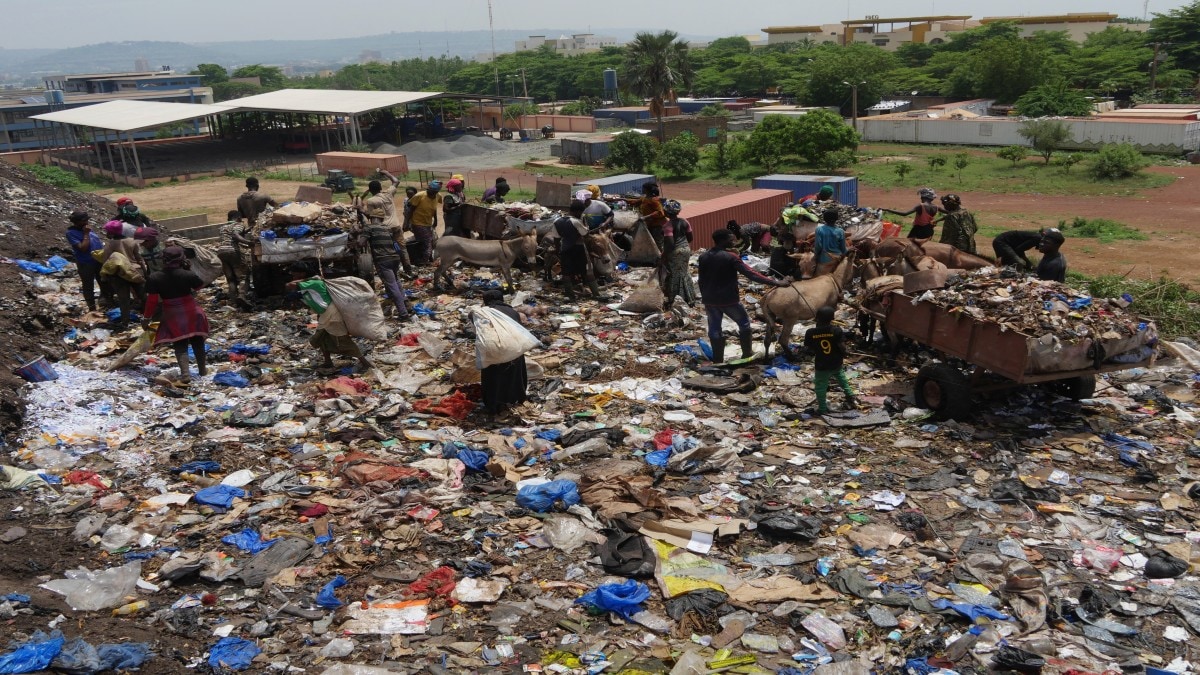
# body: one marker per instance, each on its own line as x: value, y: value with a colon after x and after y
x: 131, y: 115
x: 326, y: 101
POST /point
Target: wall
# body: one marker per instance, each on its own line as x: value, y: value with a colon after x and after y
x: 1154, y: 137
x: 706, y: 129
x: 22, y: 157
x: 567, y: 123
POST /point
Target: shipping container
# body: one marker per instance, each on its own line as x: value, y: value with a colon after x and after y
x: 628, y: 115
x: 751, y: 206
x: 845, y: 188
x: 553, y: 195
x: 623, y: 184
x: 585, y: 150
x: 362, y: 164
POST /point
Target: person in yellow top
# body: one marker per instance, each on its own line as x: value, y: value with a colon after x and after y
x: 425, y: 206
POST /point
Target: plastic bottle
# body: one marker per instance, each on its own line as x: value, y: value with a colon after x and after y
x: 198, y: 479
x: 272, y: 503
x: 131, y: 608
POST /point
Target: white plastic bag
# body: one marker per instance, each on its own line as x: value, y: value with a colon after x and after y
x: 499, y: 339
x: 204, y: 263
x: 90, y: 591
x: 359, y: 308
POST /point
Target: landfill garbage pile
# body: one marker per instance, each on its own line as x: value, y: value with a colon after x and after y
x: 641, y: 514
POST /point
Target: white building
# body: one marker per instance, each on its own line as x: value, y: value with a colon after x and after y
x: 579, y: 43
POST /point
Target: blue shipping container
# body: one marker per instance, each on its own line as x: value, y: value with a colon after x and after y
x: 623, y: 184
x: 845, y: 188
x: 629, y: 116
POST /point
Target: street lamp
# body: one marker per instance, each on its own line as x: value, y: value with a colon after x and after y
x: 853, y: 102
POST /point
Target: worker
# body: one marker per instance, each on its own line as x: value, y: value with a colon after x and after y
x: 181, y: 321
x: 83, y: 243
x: 496, y: 193
x: 596, y: 214
x: 150, y: 248
x: 380, y: 238
x: 251, y: 203
x: 1010, y: 247
x: 719, y: 268
x: 128, y: 286
x: 424, y: 216
x: 649, y: 206
x: 823, y: 197
x: 922, y: 227
x: 676, y: 256
x: 783, y: 255
x: 127, y: 212
x: 234, y: 251
x: 332, y: 336
x: 1053, y: 265
x: 379, y: 197
x: 452, y: 209
x: 828, y: 345
x: 958, y: 225
x: 503, y: 384
x: 572, y: 251
x: 748, y: 237
x: 829, y: 243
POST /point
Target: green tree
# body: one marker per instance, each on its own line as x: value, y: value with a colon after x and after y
x: 902, y: 169
x: 713, y: 110
x: 1180, y: 27
x: 1113, y: 61
x: 838, y: 159
x: 833, y: 66
x: 1045, y: 136
x: 1002, y: 68
x: 821, y: 132
x: 269, y: 77
x: 1013, y: 153
x: 584, y: 106
x: 936, y: 162
x: 514, y: 111
x: 632, y: 152
x: 1053, y: 99
x: 961, y: 161
x: 211, y: 73
x: 1069, y: 160
x: 656, y: 65
x: 774, y: 137
x: 1117, y: 160
x: 679, y: 156
x: 225, y: 91
x: 723, y: 155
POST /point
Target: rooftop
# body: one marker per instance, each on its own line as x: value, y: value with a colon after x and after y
x: 903, y: 19
x: 1077, y: 17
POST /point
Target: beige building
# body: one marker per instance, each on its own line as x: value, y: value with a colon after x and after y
x: 579, y: 43
x: 1077, y: 25
x: 826, y: 34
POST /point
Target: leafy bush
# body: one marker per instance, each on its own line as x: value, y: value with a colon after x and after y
x: 713, y: 110
x: 1173, y: 306
x: 1069, y: 160
x: 838, y: 159
x: 902, y: 170
x: 1117, y: 160
x: 631, y: 151
x: 1013, y: 153
x: 773, y: 138
x: 724, y: 155
x: 936, y: 162
x: 680, y: 155
x: 1053, y: 99
x: 821, y: 132
x: 55, y: 176
x: 961, y: 161
x: 1045, y: 136
x: 1107, y: 231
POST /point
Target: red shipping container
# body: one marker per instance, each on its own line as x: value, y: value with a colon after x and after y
x: 751, y: 206
x: 362, y: 164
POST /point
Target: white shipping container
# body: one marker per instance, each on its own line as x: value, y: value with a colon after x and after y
x: 1157, y: 137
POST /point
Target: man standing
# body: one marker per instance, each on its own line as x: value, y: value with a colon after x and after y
x: 719, y: 268
x: 829, y: 243
x: 1053, y: 265
x: 958, y: 225
x: 381, y: 238
x: 425, y: 206
x: 83, y: 242
x: 251, y: 203
x: 234, y: 251
x: 1010, y: 247
x: 380, y: 198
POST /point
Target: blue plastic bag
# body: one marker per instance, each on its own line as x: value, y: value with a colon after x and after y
x: 298, y: 231
x: 326, y: 598
x: 198, y: 467
x: 34, y: 655
x: 690, y: 351
x: 17, y: 597
x: 972, y: 612
x: 541, y: 498
x: 658, y: 457
x: 232, y: 653
x: 551, y: 435
x: 219, y: 495
x: 258, y: 350
x: 249, y: 541
x: 421, y: 310
x: 269, y: 235
x: 114, y: 314
x: 625, y: 598
x: 77, y: 656
x: 231, y: 379
x: 476, y: 460
x: 54, y: 264
x: 123, y: 656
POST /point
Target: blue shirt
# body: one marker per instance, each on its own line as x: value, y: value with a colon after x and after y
x: 75, y: 238
x: 829, y: 239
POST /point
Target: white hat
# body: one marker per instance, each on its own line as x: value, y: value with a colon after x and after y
x: 583, y: 195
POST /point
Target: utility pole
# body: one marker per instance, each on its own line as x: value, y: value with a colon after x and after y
x: 495, y: 66
x: 524, y: 84
x: 1154, y: 67
x: 853, y: 103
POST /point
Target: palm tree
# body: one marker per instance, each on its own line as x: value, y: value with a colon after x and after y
x: 656, y: 64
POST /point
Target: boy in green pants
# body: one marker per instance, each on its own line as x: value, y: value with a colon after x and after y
x: 826, y: 342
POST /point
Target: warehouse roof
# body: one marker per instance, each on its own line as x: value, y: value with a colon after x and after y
x: 328, y: 101
x: 131, y: 115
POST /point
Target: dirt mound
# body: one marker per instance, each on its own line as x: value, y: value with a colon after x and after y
x: 33, y: 216
x: 447, y: 149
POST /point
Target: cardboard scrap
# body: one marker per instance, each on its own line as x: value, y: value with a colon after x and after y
x: 780, y: 588
x: 696, y: 536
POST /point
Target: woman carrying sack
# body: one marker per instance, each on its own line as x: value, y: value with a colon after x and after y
x: 503, y: 383
x: 181, y: 322
x: 676, y: 255
x: 332, y: 335
x: 125, y: 275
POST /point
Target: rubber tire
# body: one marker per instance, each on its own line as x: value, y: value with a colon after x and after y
x: 953, y: 399
x: 1075, y: 388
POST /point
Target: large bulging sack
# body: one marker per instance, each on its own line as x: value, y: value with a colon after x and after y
x: 499, y: 339
x: 119, y: 265
x: 645, y: 298
x: 203, y: 259
x: 644, y: 250
x: 359, y: 308
x: 296, y: 213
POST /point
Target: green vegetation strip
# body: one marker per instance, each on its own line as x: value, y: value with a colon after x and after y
x: 1174, y: 306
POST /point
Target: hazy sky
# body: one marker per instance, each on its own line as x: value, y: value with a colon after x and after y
x: 70, y: 23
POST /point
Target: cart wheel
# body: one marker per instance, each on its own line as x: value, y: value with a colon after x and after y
x: 943, y: 389
x: 1075, y: 388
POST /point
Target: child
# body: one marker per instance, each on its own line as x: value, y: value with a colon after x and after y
x: 826, y: 342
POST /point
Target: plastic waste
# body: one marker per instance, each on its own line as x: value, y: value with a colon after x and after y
x: 824, y: 629
x: 123, y: 656
x: 117, y: 537
x: 625, y: 599
x: 326, y: 598
x: 228, y: 378
x: 219, y: 495
x: 1019, y: 660
x: 1101, y: 558
x: 90, y: 591
x: 232, y: 653
x: 34, y: 655
x: 564, y: 532
x: 248, y: 540
x: 131, y: 608
x: 546, y: 496
x: 690, y: 663
x: 1163, y: 565
x: 338, y: 648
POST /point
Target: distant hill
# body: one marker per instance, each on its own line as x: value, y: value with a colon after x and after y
x: 182, y: 56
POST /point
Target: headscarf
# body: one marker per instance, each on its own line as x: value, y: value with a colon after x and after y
x: 454, y: 184
x: 927, y: 193
x: 595, y: 190
x: 173, y: 258
x: 583, y: 195
x: 144, y: 233
x: 123, y: 201
x: 826, y: 191
x: 114, y: 228
x: 458, y: 177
